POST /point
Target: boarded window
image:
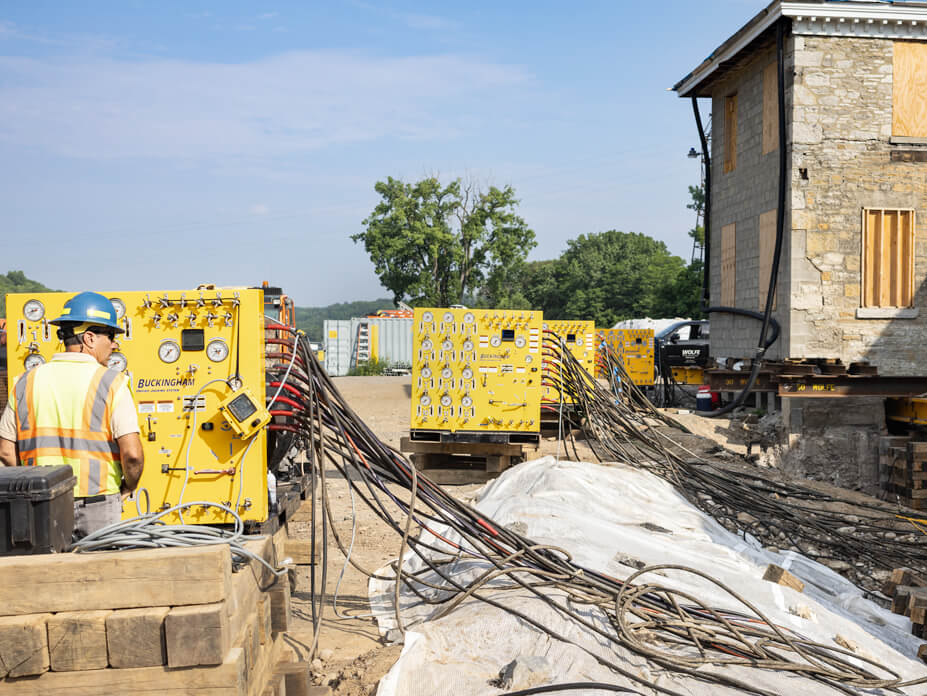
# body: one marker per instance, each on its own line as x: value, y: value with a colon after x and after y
x: 888, y: 258
x: 728, y: 265
x: 909, y: 89
x: 770, y: 108
x: 767, y: 227
x: 730, y: 133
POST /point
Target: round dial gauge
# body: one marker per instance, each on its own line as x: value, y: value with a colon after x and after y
x: 495, y: 341
x: 544, y: 326
x: 579, y: 340
x: 468, y: 344
x: 33, y: 360
x: 119, y: 306
x: 445, y: 400
x: 519, y: 341
x: 428, y: 317
x: 467, y: 373
x: 217, y: 350
x: 33, y: 310
x: 466, y: 402
x: 425, y: 400
x: 527, y: 358
x: 447, y: 373
x: 468, y: 318
x: 169, y: 351
x: 117, y: 361
x: 427, y: 344
x: 448, y: 318
x: 426, y: 373
x: 447, y: 345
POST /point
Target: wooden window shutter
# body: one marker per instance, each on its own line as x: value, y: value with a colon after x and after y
x: 770, y: 108
x: 767, y: 231
x: 909, y: 89
x: 730, y: 133
x: 888, y: 258
x: 728, y: 265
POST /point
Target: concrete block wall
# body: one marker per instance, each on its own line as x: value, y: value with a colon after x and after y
x: 841, y: 163
x: 740, y: 197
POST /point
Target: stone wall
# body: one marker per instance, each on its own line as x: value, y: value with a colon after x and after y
x: 740, y: 197
x: 841, y: 163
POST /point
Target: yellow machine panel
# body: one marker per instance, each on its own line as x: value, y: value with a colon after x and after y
x: 634, y: 347
x: 186, y: 353
x: 688, y: 375
x: 476, y: 370
x: 579, y: 338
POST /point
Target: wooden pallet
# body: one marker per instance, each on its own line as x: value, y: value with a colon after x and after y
x: 462, y: 462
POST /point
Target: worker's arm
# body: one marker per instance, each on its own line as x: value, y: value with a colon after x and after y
x: 7, y: 452
x: 133, y: 459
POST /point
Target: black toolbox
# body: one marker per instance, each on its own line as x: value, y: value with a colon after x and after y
x: 36, y: 509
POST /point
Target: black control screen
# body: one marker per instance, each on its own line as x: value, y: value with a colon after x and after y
x: 508, y: 334
x: 192, y: 339
x: 241, y: 407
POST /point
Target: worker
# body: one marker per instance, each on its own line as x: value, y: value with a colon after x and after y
x: 74, y: 410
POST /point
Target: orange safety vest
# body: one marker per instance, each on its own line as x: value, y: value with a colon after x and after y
x: 63, y: 416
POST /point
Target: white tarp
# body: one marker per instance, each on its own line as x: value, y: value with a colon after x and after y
x: 605, y: 516
x: 647, y: 323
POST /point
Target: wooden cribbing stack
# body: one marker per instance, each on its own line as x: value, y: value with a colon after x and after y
x: 908, y: 591
x: 145, y: 622
x: 904, y: 473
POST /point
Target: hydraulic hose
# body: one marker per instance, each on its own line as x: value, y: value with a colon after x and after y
x: 762, y: 344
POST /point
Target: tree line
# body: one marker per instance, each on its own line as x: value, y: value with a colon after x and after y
x: 438, y: 245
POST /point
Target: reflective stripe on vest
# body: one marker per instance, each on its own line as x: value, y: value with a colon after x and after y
x: 64, y: 411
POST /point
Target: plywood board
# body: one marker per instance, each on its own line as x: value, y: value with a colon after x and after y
x: 888, y: 257
x: 770, y: 108
x: 729, y: 265
x: 114, y: 580
x: 767, y: 246
x: 909, y: 89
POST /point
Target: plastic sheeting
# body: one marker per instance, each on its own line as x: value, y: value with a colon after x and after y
x: 608, y: 518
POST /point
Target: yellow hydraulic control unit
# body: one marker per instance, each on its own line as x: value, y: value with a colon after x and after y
x: 195, y: 361
x: 634, y: 347
x: 579, y: 338
x: 476, y: 370
x: 688, y: 375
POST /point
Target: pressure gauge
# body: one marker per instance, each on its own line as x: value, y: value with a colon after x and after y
x: 466, y: 402
x: 169, y: 351
x: 468, y: 318
x: 447, y: 345
x: 118, y: 362
x: 33, y: 360
x: 448, y: 318
x: 426, y: 373
x: 447, y: 373
x: 427, y: 344
x: 428, y: 317
x: 119, y: 306
x: 527, y: 358
x: 495, y: 341
x: 467, y: 373
x: 468, y: 344
x: 33, y: 310
x: 579, y: 340
x: 446, y: 400
x: 425, y: 400
x: 519, y: 341
x: 544, y: 326
x: 217, y: 350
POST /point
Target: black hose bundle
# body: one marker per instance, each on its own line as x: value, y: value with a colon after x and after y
x: 689, y: 634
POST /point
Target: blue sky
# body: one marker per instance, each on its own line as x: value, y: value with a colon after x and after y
x: 152, y: 145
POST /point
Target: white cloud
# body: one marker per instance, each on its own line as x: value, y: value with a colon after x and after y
x: 259, y: 209
x: 287, y: 104
x: 268, y: 15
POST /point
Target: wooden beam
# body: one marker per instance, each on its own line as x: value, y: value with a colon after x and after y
x: 77, y: 641
x: 114, y: 580
x: 23, y: 645
x: 197, y: 635
x: 781, y: 576
x: 135, y: 637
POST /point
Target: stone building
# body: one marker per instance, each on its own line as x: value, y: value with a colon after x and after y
x: 854, y: 262
x: 852, y: 281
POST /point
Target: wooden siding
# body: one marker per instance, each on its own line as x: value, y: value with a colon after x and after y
x: 888, y: 258
x: 767, y: 246
x: 909, y: 89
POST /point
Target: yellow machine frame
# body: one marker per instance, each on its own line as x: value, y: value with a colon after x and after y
x: 190, y: 448
x: 579, y: 338
x: 634, y: 347
x: 476, y: 370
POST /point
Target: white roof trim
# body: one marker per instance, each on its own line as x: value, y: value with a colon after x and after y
x: 904, y: 19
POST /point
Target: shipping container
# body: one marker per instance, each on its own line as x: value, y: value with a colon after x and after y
x: 349, y: 341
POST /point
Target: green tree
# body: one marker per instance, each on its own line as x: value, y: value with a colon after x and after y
x: 439, y: 245
x: 16, y: 281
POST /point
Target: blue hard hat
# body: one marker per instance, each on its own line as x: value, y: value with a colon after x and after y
x: 89, y: 308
